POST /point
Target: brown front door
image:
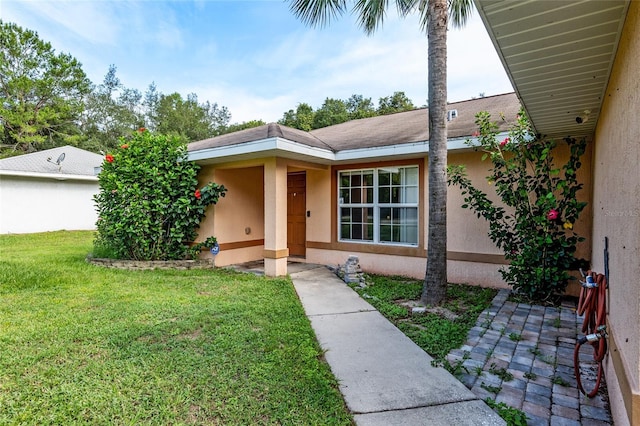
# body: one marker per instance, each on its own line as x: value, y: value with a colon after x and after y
x: 296, y: 213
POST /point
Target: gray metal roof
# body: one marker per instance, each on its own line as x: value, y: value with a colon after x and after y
x: 375, y: 132
x: 76, y: 162
x: 558, y: 55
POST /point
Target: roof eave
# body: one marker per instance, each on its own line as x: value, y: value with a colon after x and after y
x: 549, y: 70
x: 56, y: 176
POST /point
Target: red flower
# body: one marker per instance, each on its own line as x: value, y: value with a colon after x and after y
x: 504, y: 142
x: 142, y: 129
x: 124, y: 146
x: 553, y: 214
x: 109, y: 158
x: 197, y: 194
x: 475, y: 134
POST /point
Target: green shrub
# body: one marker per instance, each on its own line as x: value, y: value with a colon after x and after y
x: 149, y: 204
x: 535, y: 231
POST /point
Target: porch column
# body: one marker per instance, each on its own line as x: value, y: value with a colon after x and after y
x: 275, y: 217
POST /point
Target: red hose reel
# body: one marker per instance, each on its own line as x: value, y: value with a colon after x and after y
x: 592, y: 304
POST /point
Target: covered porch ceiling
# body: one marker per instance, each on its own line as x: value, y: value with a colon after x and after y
x: 558, y: 55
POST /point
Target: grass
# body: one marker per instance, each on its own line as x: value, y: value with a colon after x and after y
x: 434, y: 333
x: 83, y: 344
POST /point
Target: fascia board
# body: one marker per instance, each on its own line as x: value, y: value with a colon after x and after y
x: 416, y: 148
x: 56, y: 176
x: 271, y: 145
x: 263, y: 145
x: 383, y: 151
x: 467, y: 143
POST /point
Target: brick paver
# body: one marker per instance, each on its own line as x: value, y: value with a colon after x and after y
x: 535, y: 345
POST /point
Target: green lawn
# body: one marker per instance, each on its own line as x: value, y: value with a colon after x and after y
x: 83, y: 344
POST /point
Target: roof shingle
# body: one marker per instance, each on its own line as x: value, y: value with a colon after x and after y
x: 386, y: 130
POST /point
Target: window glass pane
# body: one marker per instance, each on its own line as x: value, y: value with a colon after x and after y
x: 369, y: 192
x: 395, y: 178
x: 345, y: 232
x: 356, y: 232
x: 356, y: 179
x: 395, y: 195
x: 344, y: 196
x: 385, y: 215
x: 411, y: 235
x: 368, y: 178
x: 410, y: 194
x: 385, y: 233
x: 384, y: 178
x: 384, y: 195
x: 344, y: 180
x: 355, y: 195
x: 411, y: 176
x: 369, y: 214
x: 345, y: 215
x: 356, y: 215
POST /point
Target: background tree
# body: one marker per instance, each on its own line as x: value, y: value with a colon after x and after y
x: 360, y: 107
x: 433, y: 19
x: 187, y: 118
x: 41, y: 92
x: 398, y: 102
x: 112, y: 111
x: 332, y: 111
x: 301, y: 118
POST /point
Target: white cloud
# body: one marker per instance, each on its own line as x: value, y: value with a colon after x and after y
x: 92, y: 22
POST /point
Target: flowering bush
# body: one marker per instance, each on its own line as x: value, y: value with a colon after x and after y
x: 149, y: 204
x: 535, y: 231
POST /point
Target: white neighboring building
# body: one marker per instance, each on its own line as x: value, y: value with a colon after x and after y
x: 49, y: 191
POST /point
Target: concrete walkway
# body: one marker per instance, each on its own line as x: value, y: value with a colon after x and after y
x: 385, y: 378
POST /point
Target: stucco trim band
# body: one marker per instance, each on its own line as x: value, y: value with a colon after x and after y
x: 369, y: 248
x: 494, y: 259
x: 241, y: 244
x: 276, y: 254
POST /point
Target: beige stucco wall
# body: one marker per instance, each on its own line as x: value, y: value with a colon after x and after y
x: 467, y: 233
x: 318, y: 196
x: 616, y: 215
x: 238, y: 217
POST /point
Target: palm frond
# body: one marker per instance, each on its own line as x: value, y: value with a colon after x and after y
x: 459, y: 12
x: 317, y: 13
x: 371, y: 14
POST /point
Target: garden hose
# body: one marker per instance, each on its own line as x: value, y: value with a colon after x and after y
x: 592, y: 304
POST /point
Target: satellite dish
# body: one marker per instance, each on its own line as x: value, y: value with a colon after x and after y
x: 60, y: 159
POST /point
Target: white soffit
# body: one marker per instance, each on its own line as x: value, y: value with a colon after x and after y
x: 558, y: 55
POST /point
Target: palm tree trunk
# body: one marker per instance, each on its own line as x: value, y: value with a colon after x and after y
x: 435, y: 281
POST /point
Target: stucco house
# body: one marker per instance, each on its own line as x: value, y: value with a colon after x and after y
x: 575, y: 66
x: 48, y: 191
x: 356, y: 188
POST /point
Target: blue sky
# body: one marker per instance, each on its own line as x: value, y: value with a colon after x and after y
x: 255, y: 57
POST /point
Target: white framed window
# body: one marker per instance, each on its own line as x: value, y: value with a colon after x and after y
x: 379, y: 205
